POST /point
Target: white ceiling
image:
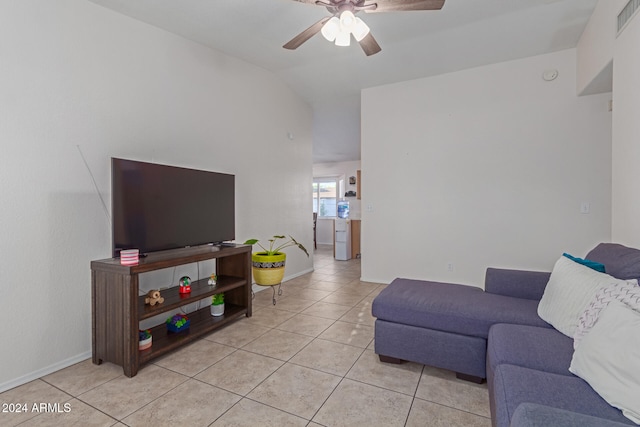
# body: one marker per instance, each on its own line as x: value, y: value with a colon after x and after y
x: 464, y: 34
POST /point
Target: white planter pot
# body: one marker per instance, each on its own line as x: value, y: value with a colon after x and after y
x: 145, y: 344
x: 217, y: 310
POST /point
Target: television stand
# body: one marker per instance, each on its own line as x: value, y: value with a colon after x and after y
x: 117, y: 306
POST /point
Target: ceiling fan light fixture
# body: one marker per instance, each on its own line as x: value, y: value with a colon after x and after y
x: 360, y: 29
x: 347, y: 20
x: 343, y: 38
x: 331, y: 29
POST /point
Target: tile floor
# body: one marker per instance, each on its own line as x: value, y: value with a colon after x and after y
x: 307, y: 361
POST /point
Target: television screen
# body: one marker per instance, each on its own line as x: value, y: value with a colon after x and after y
x: 158, y: 207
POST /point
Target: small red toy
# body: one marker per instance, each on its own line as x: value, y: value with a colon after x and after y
x: 185, y: 284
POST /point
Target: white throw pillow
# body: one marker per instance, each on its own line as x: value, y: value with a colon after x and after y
x: 609, y: 358
x: 569, y: 290
x: 628, y: 293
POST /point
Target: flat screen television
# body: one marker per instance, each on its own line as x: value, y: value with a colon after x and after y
x: 159, y: 207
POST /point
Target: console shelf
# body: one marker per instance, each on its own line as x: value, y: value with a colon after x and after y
x: 202, y: 322
x: 117, y: 307
x: 199, y: 289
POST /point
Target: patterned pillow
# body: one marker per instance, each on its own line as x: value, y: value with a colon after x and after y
x: 570, y: 288
x: 626, y: 292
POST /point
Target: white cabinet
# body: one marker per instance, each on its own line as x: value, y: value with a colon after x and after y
x: 342, y: 239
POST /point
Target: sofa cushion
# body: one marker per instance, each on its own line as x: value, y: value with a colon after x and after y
x: 609, y: 358
x: 543, y: 349
x: 533, y: 415
x: 451, y: 308
x: 619, y: 261
x: 516, y: 283
x: 513, y: 385
x: 568, y: 293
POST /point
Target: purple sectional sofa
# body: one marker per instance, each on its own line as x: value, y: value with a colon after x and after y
x: 497, y: 335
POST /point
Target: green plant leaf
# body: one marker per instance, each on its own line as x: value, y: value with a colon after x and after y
x: 276, y: 249
x: 302, y: 248
x: 217, y: 299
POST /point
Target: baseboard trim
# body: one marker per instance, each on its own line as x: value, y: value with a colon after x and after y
x: 374, y: 280
x: 8, y: 385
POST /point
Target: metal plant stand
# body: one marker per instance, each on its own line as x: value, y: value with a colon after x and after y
x: 273, y: 288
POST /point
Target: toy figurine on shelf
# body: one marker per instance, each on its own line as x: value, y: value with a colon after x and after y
x: 177, y: 323
x: 213, y: 279
x: 153, y: 297
x: 185, y: 284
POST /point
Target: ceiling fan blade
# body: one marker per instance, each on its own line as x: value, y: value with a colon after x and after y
x: 370, y: 45
x: 404, y: 5
x: 295, y: 42
x: 315, y: 2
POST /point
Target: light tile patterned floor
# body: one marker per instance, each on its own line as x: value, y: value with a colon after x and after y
x: 307, y: 361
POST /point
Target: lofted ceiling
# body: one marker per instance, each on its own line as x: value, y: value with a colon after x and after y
x: 464, y: 34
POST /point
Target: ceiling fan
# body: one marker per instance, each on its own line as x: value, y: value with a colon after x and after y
x: 343, y: 23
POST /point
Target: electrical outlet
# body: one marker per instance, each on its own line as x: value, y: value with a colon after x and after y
x: 450, y: 266
x: 585, y: 208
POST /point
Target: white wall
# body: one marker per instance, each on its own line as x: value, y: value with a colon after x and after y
x: 336, y: 128
x: 74, y: 74
x: 595, y: 48
x: 600, y: 45
x: 626, y: 136
x: 324, y: 229
x: 483, y: 167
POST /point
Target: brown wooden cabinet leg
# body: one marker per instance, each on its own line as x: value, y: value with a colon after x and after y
x: 389, y: 359
x: 130, y: 371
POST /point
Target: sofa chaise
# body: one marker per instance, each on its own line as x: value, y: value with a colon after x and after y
x: 497, y: 335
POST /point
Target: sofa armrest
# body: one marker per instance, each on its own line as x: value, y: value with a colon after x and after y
x: 535, y: 415
x: 516, y: 283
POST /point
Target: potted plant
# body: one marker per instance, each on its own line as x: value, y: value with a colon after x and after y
x: 217, y: 305
x: 268, y: 264
x: 144, y: 339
